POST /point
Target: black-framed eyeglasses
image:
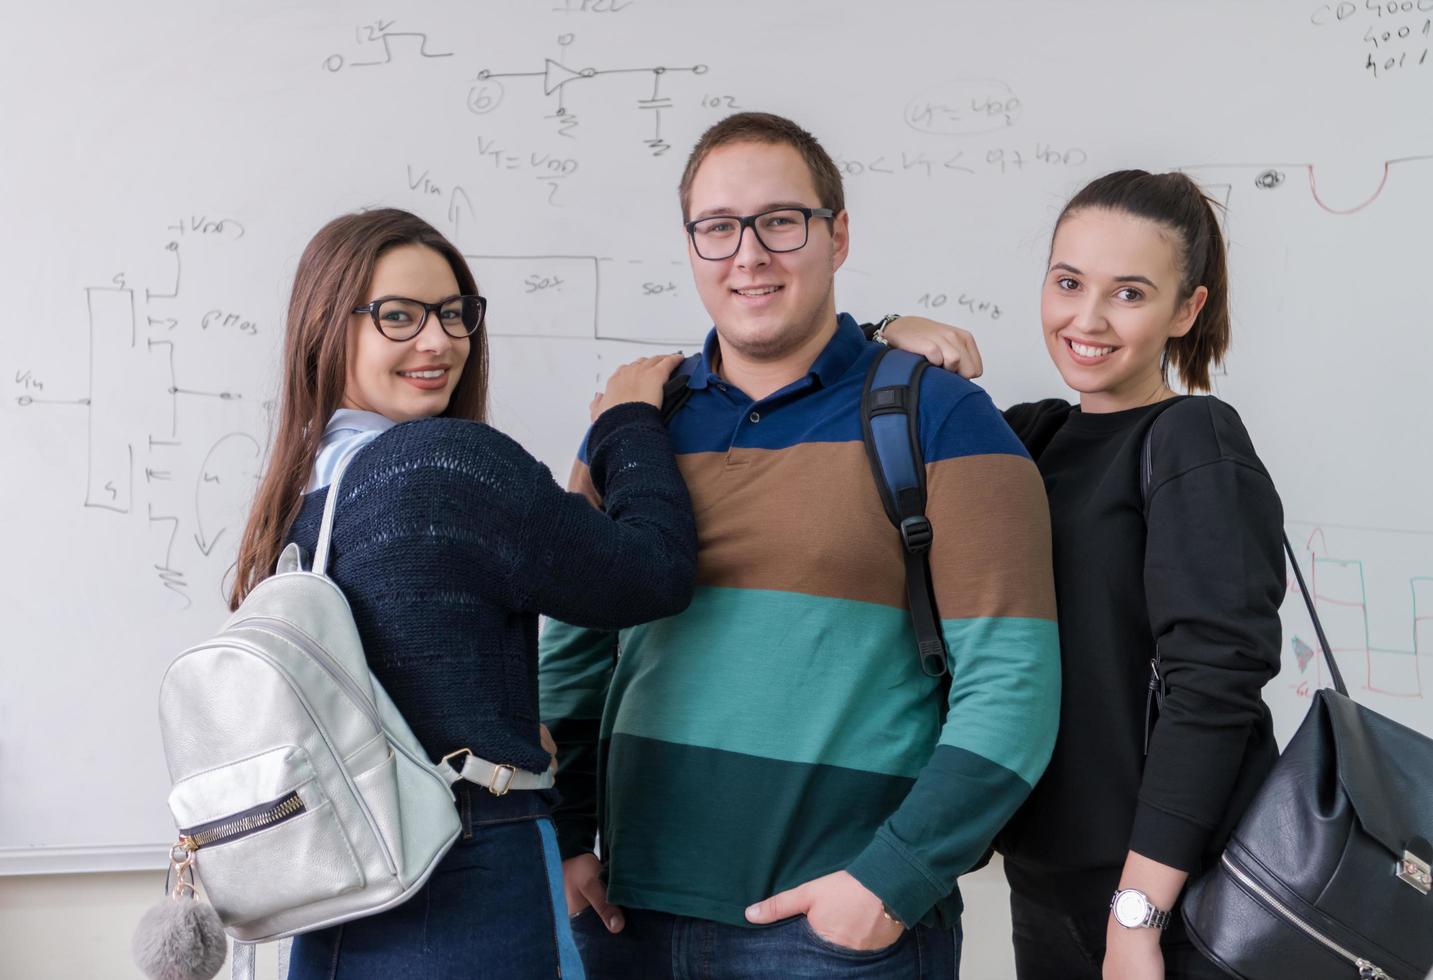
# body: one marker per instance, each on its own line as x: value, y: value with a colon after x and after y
x: 778, y: 230
x: 401, y: 318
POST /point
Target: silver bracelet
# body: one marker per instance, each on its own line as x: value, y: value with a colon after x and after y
x: 880, y: 335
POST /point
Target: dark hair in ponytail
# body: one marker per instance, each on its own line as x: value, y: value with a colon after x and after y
x: 1176, y: 202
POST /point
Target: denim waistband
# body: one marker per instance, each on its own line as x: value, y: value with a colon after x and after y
x: 477, y: 806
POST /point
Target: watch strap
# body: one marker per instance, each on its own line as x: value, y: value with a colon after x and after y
x: 879, y: 334
x: 1154, y: 918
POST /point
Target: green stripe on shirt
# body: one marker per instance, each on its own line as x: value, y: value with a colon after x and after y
x: 1001, y: 684
x: 728, y: 822
x: 751, y: 661
x: 732, y: 828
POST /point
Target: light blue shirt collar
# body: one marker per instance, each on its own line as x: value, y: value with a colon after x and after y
x: 347, y: 431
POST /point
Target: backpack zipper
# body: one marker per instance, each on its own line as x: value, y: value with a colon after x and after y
x: 241, y: 824
x: 253, y: 650
x: 1366, y: 969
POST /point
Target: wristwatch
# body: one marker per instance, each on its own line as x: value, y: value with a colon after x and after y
x: 879, y: 334
x: 1133, y: 910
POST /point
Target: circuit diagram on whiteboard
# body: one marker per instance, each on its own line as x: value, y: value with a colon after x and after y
x: 156, y: 394
x: 557, y: 76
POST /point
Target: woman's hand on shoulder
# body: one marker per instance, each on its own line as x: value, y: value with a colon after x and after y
x: 639, y: 381
x: 940, y: 343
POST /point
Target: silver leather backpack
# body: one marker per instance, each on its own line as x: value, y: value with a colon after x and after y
x: 302, y: 797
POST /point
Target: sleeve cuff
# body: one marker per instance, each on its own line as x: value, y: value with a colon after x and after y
x: 575, y: 837
x: 618, y: 416
x: 609, y: 423
x: 1161, y: 836
x: 897, y: 879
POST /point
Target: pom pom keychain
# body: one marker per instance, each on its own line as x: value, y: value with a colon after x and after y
x: 180, y: 938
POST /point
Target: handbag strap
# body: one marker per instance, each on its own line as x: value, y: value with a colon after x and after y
x: 1338, y: 684
x: 1146, y: 475
x: 242, y: 965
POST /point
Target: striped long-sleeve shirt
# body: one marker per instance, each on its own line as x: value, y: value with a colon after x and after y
x: 781, y: 728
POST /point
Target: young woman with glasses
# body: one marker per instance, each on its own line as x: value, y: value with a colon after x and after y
x: 450, y: 540
x: 1168, y: 572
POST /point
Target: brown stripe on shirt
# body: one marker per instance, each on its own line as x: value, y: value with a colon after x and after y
x: 991, y: 554
x: 808, y: 519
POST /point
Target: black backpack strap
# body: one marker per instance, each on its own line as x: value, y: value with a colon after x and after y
x: 676, y: 392
x: 1146, y: 475
x: 1157, y: 688
x: 1146, y: 466
x: 890, y: 425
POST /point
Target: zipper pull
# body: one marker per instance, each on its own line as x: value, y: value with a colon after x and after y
x: 1367, y: 971
x: 181, y: 861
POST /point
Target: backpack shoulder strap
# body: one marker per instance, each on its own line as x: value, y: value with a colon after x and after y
x: 1146, y: 475
x: 330, y: 509
x: 890, y: 426
x: 1146, y: 466
x: 676, y: 392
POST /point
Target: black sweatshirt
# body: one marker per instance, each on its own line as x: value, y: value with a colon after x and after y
x: 1200, y: 576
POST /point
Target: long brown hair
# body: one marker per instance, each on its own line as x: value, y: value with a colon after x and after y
x: 331, y: 279
x: 1175, y: 201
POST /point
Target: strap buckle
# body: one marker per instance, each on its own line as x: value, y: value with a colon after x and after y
x: 917, y: 534
x: 502, y: 780
x: 932, y: 653
x: 499, y: 783
x: 447, y: 759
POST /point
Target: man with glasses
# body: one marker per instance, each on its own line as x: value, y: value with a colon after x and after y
x: 775, y: 755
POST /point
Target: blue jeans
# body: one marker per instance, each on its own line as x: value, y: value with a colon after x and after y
x: 493, y: 908
x: 657, y: 945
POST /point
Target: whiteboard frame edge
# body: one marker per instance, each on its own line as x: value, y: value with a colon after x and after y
x: 92, y: 859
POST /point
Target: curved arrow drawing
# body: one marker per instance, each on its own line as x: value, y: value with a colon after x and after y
x: 206, y: 544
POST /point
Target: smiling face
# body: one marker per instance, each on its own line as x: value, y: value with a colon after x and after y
x: 1111, y: 301
x: 766, y: 305
x: 410, y: 379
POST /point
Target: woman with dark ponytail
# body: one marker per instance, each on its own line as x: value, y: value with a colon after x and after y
x: 1168, y: 573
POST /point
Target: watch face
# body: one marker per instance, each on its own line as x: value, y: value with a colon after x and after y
x: 1130, y: 908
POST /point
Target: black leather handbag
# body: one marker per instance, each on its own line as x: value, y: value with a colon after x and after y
x: 1327, y: 874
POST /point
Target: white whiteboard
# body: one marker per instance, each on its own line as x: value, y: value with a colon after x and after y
x: 164, y: 164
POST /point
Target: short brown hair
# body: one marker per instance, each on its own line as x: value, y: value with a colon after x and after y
x: 764, y: 127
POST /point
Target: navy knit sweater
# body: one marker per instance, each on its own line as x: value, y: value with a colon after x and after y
x: 450, y: 540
